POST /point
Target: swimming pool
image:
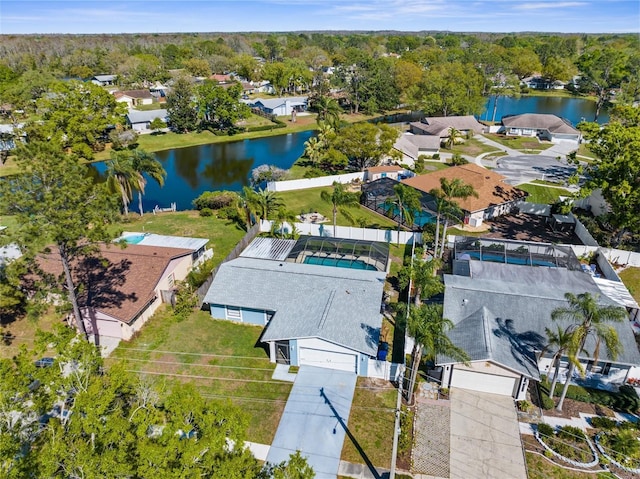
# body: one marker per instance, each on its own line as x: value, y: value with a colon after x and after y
x: 498, y: 258
x: 134, y: 239
x: 421, y: 218
x: 340, y: 263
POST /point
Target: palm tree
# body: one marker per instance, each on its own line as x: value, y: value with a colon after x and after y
x: 282, y: 218
x: 249, y: 203
x: 423, y: 275
x: 144, y: 163
x: 328, y: 111
x: 448, y: 191
x: 121, y: 177
x: 405, y: 203
x: 453, y: 138
x: 588, y: 319
x: 267, y: 202
x: 429, y: 329
x: 339, y: 198
x: 559, y: 341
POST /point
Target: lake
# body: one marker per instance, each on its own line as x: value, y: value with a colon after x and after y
x: 573, y: 109
x: 227, y: 166
x: 221, y: 166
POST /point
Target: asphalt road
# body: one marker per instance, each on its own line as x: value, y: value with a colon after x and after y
x: 526, y: 168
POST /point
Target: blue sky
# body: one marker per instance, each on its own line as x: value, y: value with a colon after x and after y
x: 113, y: 16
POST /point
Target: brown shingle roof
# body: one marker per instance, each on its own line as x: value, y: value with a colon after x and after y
x: 121, y: 282
x: 490, y: 186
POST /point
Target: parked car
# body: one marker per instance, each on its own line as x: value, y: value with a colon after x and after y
x: 44, y: 362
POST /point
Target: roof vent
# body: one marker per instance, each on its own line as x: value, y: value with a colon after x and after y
x: 465, y: 301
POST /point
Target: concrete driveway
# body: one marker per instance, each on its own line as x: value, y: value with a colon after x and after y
x: 315, y: 418
x: 485, y: 437
x: 525, y: 168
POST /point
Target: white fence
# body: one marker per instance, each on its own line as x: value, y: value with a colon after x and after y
x: 384, y: 370
x: 305, y: 183
x: 348, y: 232
x: 583, y: 233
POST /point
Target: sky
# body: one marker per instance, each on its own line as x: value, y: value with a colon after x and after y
x: 159, y: 16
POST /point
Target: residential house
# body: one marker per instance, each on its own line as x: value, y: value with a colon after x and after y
x: 411, y: 146
x: 394, y: 172
x: 134, y: 97
x: 140, y: 121
x: 8, y: 135
x: 500, y: 313
x: 104, y: 80
x: 280, y: 106
x: 440, y: 126
x: 544, y: 126
x: 495, y: 197
x: 541, y: 83
x: 6, y: 109
x: 198, y: 246
x: 218, y: 78
x: 315, y: 308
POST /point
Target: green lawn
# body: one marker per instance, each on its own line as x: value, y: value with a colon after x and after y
x: 223, y: 361
x: 540, y: 468
x: 304, y: 201
x: 542, y: 194
x: 470, y: 147
x: 631, y: 279
x: 371, y: 424
x: 430, y: 166
x: 519, y: 142
x: 585, y: 151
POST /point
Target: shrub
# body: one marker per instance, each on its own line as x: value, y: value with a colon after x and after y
x: 206, y: 212
x: 266, y: 127
x: 547, y: 402
x: 198, y: 276
x: 524, y: 405
x: 215, y: 200
x: 571, y: 432
x: 228, y: 213
x: 436, y: 156
x: 545, y: 430
x: 600, y: 422
x: 579, y: 393
x: 457, y: 160
x: 186, y: 301
x: 627, y: 399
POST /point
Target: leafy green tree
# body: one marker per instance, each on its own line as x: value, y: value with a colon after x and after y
x: 54, y: 200
x: 557, y: 68
x: 247, y: 67
x: 524, y: 62
x: 333, y: 161
x: 429, y: 328
x: 220, y: 107
x: 278, y: 74
x: 328, y: 111
x: 181, y: 108
x: 157, y: 124
x: 340, y: 199
x: 588, y: 318
x: 77, y: 115
x: 615, y: 172
x: 601, y: 70
x: 268, y: 202
x: 365, y: 144
x: 198, y: 67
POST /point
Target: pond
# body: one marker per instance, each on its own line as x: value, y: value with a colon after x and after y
x: 222, y: 166
x: 573, y: 109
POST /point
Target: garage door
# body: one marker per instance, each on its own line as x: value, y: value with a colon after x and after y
x: 487, y: 383
x: 328, y: 359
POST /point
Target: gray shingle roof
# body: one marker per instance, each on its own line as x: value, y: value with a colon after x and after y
x: 136, y: 116
x: 273, y: 103
x: 339, y: 305
x: 539, y: 121
x: 410, y: 145
x: 519, y: 301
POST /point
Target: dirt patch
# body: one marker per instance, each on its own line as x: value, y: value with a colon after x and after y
x: 572, y: 408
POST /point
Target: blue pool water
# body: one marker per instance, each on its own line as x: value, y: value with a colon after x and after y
x: 498, y: 258
x: 133, y: 239
x: 420, y: 218
x: 340, y: 263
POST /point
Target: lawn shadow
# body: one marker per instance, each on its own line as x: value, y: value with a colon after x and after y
x: 355, y: 442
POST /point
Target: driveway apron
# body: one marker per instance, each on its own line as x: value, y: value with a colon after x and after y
x: 315, y: 418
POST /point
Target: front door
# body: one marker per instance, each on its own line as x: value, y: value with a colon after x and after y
x: 282, y: 352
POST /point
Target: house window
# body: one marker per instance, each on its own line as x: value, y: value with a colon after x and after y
x: 233, y: 313
x: 171, y: 280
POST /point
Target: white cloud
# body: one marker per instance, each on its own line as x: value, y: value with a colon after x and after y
x: 546, y: 6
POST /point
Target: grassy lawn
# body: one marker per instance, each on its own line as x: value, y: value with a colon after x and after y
x: 470, y: 147
x: 631, y: 279
x: 223, y: 361
x: 585, y: 151
x: 539, y: 468
x: 152, y: 106
x: 543, y: 194
x: 22, y: 331
x: 519, y: 142
x: 303, y: 201
x: 430, y: 166
x: 371, y: 424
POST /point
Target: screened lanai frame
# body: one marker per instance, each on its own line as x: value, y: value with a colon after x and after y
x: 347, y: 251
x: 515, y: 252
x: 375, y: 193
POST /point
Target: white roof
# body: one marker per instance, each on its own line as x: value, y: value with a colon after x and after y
x: 152, y: 239
x: 136, y: 116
